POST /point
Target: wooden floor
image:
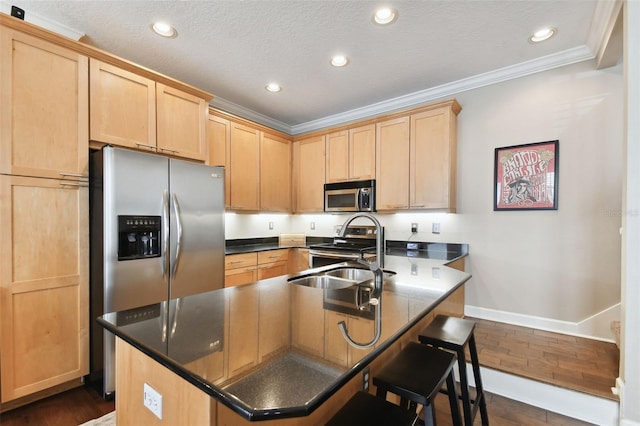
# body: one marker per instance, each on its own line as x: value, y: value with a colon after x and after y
x: 584, y: 365
x: 566, y: 361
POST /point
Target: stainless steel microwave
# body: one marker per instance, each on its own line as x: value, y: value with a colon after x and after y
x: 355, y: 196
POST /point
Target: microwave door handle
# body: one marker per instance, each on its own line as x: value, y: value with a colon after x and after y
x: 359, y: 199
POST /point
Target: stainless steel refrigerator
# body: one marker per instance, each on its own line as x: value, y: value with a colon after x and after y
x: 157, y: 233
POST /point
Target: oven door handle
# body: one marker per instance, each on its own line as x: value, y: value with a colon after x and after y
x: 332, y: 255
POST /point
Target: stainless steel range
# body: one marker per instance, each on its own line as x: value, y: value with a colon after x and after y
x: 359, y: 241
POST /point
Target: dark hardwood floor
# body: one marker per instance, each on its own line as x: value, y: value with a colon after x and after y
x: 70, y: 408
x: 576, y: 363
x: 580, y: 364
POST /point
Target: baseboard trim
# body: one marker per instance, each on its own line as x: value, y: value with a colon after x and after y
x: 596, y: 327
x: 577, y: 405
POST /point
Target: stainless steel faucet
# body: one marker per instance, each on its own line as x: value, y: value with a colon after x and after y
x: 379, y: 263
x: 378, y: 281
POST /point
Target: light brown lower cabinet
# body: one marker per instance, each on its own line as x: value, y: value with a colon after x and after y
x: 44, y: 287
x: 245, y: 268
x: 240, y: 269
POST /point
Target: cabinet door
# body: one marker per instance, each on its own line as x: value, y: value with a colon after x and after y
x: 44, y: 287
x: 44, y: 118
x: 309, y: 174
x: 243, y: 329
x: 307, y: 320
x: 219, y: 139
x: 123, y: 107
x: 338, y: 156
x: 275, y: 316
x: 392, y: 164
x: 181, y: 123
x: 275, y: 174
x: 245, y: 167
x: 362, y: 152
x: 433, y: 159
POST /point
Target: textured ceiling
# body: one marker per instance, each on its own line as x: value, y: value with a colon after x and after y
x: 234, y: 48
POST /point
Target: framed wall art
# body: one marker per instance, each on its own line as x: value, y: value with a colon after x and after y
x: 526, y: 177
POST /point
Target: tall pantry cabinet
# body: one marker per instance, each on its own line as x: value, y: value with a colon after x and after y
x: 44, y: 310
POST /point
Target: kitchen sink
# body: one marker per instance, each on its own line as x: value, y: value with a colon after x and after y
x: 356, y: 274
x: 338, y: 278
x: 323, y: 281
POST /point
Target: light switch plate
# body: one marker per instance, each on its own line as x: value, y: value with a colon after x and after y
x: 435, y: 227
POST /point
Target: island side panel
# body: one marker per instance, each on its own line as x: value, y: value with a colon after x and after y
x: 182, y: 403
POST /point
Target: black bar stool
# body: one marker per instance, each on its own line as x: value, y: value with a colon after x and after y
x: 416, y: 374
x: 364, y: 409
x: 454, y: 334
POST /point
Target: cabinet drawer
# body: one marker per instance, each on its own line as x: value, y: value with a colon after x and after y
x: 240, y: 276
x: 273, y: 269
x: 273, y: 256
x: 241, y: 260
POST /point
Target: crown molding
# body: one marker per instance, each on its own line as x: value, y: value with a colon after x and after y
x: 560, y: 59
x: 567, y: 57
x: 250, y: 115
x: 43, y: 22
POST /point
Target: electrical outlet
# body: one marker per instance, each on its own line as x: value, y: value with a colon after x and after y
x: 365, y: 379
x: 435, y: 227
x: 153, y: 400
x: 435, y: 273
x: 414, y: 228
x: 312, y: 225
x: 270, y: 225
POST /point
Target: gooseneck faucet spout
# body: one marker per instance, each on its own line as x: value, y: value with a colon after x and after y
x: 379, y: 263
x: 376, y: 267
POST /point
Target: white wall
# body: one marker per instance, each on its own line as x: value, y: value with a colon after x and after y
x: 563, y: 266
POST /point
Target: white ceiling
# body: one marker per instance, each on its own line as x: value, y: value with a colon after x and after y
x: 233, y: 48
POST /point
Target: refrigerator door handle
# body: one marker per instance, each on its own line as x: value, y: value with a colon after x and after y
x: 165, y: 221
x: 176, y: 208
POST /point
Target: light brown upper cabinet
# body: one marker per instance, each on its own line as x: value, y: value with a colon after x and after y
x: 219, y: 140
x: 44, y: 114
x: 416, y: 160
x: 392, y: 168
x: 433, y: 159
x: 132, y: 111
x: 123, y: 107
x: 244, y: 168
x: 181, y: 123
x: 351, y: 154
x: 309, y: 174
x: 275, y: 174
x: 257, y: 165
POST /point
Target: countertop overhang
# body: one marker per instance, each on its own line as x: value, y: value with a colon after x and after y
x: 181, y: 331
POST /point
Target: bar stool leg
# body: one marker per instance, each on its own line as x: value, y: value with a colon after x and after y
x: 453, y: 400
x: 476, y: 376
x: 464, y: 387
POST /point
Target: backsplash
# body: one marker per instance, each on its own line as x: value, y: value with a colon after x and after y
x: 397, y: 225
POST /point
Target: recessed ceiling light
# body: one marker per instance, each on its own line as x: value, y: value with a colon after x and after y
x: 273, y: 87
x: 164, y: 29
x: 542, y: 35
x: 339, y: 61
x: 385, y: 16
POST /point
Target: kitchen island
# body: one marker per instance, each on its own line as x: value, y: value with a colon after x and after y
x: 270, y: 351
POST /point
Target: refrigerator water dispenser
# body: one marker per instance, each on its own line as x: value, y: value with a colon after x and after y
x: 138, y: 237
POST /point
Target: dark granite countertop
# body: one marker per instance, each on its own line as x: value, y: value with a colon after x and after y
x: 251, y: 245
x: 280, y: 327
